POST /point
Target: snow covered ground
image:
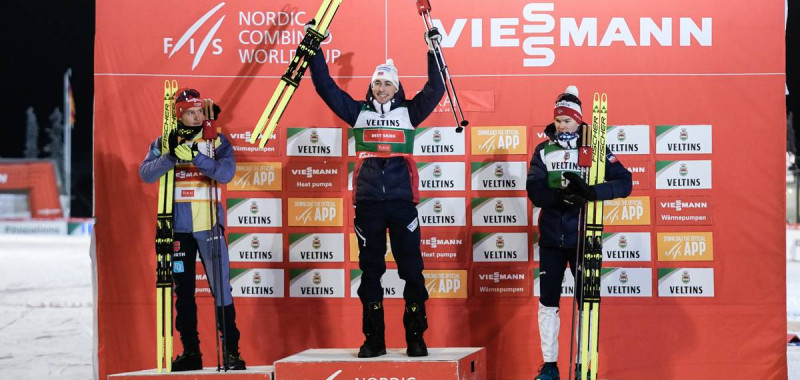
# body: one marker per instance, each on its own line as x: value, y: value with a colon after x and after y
x: 46, y: 308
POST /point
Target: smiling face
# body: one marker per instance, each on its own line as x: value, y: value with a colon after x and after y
x: 383, y: 90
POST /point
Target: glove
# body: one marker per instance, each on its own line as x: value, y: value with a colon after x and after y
x: 578, y: 186
x: 432, y: 36
x: 185, y: 153
x: 568, y: 199
x: 311, y: 24
x: 173, y: 141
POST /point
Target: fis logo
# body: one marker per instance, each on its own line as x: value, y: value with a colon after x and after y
x: 171, y: 47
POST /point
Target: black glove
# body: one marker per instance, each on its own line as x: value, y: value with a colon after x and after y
x: 578, y: 186
x: 174, y: 140
x: 432, y: 36
x: 568, y: 199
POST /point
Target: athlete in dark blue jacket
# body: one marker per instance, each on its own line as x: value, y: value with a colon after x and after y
x: 560, y: 202
x: 385, y: 191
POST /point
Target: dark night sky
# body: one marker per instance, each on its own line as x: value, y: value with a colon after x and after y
x: 45, y: 38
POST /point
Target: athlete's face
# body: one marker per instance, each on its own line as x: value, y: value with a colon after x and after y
x: 565, y: 124
x: 193, y: 117
x: 383, y: 90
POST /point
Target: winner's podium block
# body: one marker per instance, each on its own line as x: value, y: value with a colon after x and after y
x: 457, y: 363
x: 210, y: 373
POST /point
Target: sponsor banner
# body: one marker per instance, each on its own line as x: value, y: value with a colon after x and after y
x: 314, y: 142
x: 350, y: 168
x: 499, y: 175
x: 501, y: 282
x: 354, y: 248
x: 506, y: 211
x: 628, y: 139
x: 438, y: 141
x: 686, y: 174
x: 500, y: 246
x: 33, y: 227
x: 567, y: 284
x: 685, y: 282
x: 315, y: 212
x: 442, y: 211
x: 390, y: 282
x: 640, y: 173
x: 255, y: 248
x: 442, y: 246
x: 313, y: 176
x: 351, y: 143
x: 201, y: 280
x: 692, y: 211
x: 683, y: 139
x: 438, y: 176
x: 499, y: 140
x: 254, y: 212
x: 535, y: 245
x: 256, y: 176
x: 446, y: 283
x: 626, y: 282
x: 626, y: 246
x: 316, y: 247
x: 685, y: 246
x: 631, y: 211
x: 316, y: 283
x: 240, y: 140
x: 257, y: 282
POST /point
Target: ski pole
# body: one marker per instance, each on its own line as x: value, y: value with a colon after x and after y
x: 424, y: 10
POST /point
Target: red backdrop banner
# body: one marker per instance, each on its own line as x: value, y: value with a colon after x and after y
x: 696, y: 94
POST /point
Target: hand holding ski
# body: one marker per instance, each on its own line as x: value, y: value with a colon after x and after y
x: 294, y: 73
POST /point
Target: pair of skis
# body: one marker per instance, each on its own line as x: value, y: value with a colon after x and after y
x: 294, y: 73
x: 590, y: 248
x: 164, y: 237
x: 307, y: 49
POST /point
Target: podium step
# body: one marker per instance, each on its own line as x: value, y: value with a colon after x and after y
x: 252, y: 373
x: 456, y: 363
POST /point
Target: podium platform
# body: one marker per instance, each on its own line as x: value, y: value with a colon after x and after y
x: 456, y: 363
x: 210, y: 373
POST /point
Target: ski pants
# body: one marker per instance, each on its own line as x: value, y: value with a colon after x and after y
x: 183, y: 274
x: 371, y: 221
x: 552, y: 264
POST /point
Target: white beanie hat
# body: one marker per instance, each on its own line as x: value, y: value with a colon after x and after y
x: 387, y: 71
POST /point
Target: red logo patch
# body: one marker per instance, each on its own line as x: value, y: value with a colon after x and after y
x: 187, y: 193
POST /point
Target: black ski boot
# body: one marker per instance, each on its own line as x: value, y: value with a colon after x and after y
x: 373, y: 328
x: 230, y: 338
x: 189, y: 360
x: 416, y: 322
x: 234, y: 362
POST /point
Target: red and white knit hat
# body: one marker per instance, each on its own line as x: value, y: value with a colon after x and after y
x: 185, y: 99
x: 568, y: 104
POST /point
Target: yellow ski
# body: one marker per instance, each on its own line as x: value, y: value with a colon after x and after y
x: 294, y: 73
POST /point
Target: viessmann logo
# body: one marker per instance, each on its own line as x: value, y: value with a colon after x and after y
x: 187, y: 40
x: 541, y: 31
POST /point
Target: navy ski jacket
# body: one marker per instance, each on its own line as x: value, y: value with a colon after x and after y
x: 380, y: 178
x: 558, y: 226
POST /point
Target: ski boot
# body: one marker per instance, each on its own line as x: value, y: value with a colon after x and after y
x: 416, y: 322
x: 373, y: 328
x: 234, y: 361
x: 189, y: 360
x: 548, y: 371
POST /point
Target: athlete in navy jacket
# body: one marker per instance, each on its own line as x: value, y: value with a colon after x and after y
x: 554, y: 186
x: 385, y: 184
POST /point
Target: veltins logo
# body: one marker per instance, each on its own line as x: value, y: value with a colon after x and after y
x: 187, y: 39
x: 685, y: 282
x: 316, y: 247
x: 626, y: 246
x: 255, y: 247
x: 390, y: 282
